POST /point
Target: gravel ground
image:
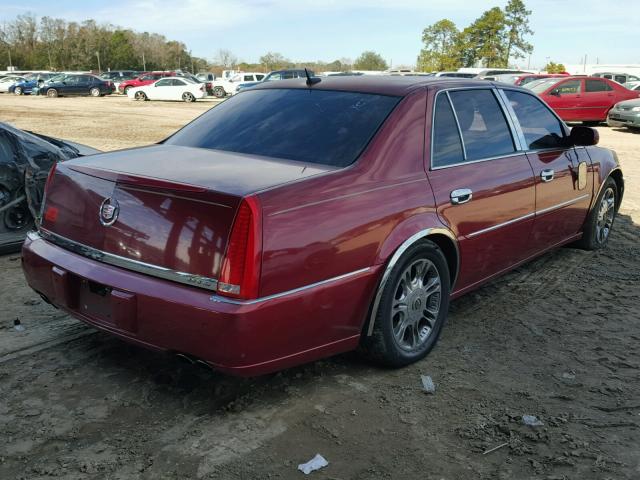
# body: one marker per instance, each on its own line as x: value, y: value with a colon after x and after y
x: 558, y: 338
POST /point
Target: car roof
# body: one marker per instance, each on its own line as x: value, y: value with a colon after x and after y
x: 399, y: 86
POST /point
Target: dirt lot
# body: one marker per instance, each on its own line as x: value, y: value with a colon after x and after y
x: 559, y: 339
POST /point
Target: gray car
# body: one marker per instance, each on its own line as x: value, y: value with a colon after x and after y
x: 625, y: 114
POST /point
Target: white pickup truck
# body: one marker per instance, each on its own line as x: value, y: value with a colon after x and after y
x: 222, y: 88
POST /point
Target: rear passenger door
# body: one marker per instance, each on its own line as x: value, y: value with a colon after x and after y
x: 483, y: 186
x: 598, y: 98
x: 561, y: 200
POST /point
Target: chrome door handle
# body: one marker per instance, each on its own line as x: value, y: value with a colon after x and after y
x: 546, y: 175
x: 460, y: 196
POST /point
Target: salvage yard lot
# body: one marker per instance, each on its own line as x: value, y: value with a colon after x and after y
x: 558, y: 338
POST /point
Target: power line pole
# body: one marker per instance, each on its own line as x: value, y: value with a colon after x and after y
x: 98, y: 55
x: 144, y: 63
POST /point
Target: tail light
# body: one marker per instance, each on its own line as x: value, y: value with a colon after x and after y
x: 202, y: 89
x: 240, y: 273
x: 50, y: 214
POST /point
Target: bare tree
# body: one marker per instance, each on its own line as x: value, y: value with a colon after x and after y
x: 225, y: 58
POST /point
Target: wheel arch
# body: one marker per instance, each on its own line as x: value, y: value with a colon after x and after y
x: 616, y: 174
x: 442, y: 237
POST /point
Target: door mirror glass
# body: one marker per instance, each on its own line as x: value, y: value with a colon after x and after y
x: 584, y: 136
x: 555, y: 93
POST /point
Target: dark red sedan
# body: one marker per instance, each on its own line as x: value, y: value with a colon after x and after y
x: 296, y: 221
x: 586, y: 99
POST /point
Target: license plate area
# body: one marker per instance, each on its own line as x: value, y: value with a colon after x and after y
x: 105, y: 305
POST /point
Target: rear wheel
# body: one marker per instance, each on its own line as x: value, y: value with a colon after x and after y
x: 600, y: 220
x: 412, y: 309
x: 52, y: 93
x: 219, y: 92
x: 188, y: 97
x: 140, y: 96
x: 95, y: 92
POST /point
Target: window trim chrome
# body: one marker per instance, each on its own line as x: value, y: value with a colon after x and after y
x: 514, y: 125
x: 177, y: 276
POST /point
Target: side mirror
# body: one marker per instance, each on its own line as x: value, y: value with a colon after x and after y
x: 555, y: 93
x: 584, y: 136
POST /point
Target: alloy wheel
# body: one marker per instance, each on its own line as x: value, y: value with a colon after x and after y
x: 416, y: 304
x: 606, y: 213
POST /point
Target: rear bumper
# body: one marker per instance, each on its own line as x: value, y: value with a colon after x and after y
x: 240, y: 338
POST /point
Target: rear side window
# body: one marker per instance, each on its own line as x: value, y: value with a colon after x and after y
x: 541, y: 128
x: 484, y: 129
x: 314, y: 126
x: 596, y: 86
x: 447, y: 147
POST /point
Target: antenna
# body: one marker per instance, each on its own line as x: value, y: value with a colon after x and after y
x: 311, y: 80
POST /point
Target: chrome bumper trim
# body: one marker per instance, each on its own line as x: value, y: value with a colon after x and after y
x: 218, y: 298
x: 126, y: 263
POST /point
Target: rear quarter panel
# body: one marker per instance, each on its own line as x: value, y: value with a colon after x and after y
x: 605, y: 162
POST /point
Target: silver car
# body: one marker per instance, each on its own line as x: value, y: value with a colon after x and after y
x: 625, y: 114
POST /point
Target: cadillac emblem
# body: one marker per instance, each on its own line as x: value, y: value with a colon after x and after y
x: 109, y: 210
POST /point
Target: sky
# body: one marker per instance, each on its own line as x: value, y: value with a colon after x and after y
x: 606, y: 31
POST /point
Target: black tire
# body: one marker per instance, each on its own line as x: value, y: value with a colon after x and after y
x: 140, y: 96
x: 592, y: 123
x: 219, y: 92
x: 592, y: 233
x: 383, y: 345
x: 52, y: 93
x: 94, y: 92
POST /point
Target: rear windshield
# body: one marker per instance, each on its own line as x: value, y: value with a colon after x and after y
x: 314, y: 126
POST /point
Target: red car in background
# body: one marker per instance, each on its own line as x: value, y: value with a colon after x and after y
x: 300, y: 219
x: 144, y: 79
x: 583, y: 99
x: 524, y: 79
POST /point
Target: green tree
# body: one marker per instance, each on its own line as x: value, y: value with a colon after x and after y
x: 121, y: 52
x: 440, y: 47
x: 553, y: 67
x: 486, y: 37
x: 517, y: 24
x: 370, y: 60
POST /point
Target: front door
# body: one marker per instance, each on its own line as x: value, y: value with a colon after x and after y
x: 562, y: 196
x: 484, y: 188
x: 566, y: 99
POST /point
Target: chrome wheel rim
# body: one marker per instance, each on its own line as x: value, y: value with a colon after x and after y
x: 139, y: 96
x: 18, y: 91
x: 95, y: 92
x: 606, y: 212
x: 416, y: 304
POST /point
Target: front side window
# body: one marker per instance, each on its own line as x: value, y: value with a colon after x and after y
x: 274, y: 76
x: 447, y: 147
x: 259, y: 77
x: 541, y: 128
x: 315, y: 126
x: 248, y: 78
x: 567, y: 88
x: 620, y: 78
x: 483, y: 126
x: 596, y: 86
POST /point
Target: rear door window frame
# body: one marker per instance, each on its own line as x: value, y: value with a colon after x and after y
x: 519, y: 140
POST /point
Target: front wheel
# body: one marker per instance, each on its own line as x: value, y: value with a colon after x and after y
x: 188, y: 97
x: 600, y: 220
x: 140, y: 96
x: 413, y: 307
x: 219, y: 92
x: 18, y: 91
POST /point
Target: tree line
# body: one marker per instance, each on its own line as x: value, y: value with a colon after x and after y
x: 55, y: 44
x: 491, y: 40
